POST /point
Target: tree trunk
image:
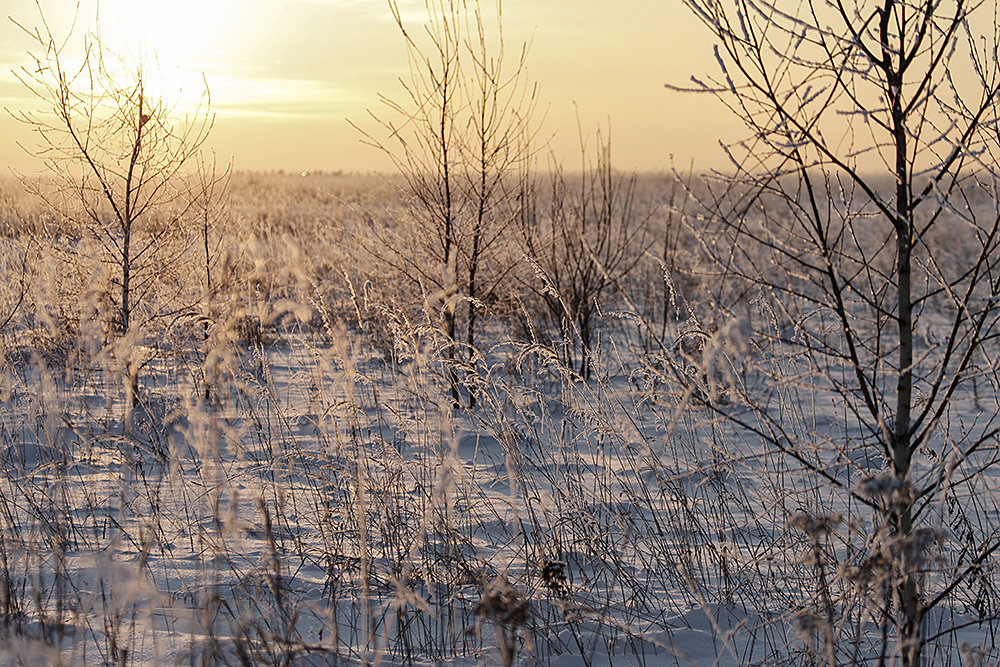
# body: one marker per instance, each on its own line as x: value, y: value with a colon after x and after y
x: 125, y: 310
x: 911, y: 640
x: 132, y: 373
x: 470, y: 332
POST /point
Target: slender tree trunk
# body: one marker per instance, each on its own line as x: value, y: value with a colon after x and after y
x: 477, y: 240
x: 450, y: 329
x: 470, y: 332
x: 450, y: 310
x: 132, y: 373
x: 910, y: 634
x: 909, y: 601
x: 205, y: 326
x: 126, y: 305
x: 131, y: 193
x: 450, y: 242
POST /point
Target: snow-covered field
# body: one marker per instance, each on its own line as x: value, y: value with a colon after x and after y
x: 300, y: 489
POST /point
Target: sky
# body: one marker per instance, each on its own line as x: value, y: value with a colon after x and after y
x: 286, y: 76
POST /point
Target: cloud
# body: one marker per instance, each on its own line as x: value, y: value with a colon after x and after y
x: 244, y: 96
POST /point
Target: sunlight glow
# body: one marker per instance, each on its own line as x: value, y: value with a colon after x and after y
x: 173, y: 41
x: 284, y: 74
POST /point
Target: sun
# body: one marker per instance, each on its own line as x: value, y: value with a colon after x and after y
x: 176, y: 41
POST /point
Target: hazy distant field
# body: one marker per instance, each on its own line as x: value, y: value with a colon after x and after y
x: 295, y: 483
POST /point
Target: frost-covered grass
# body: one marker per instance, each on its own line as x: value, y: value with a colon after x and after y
x: 295, y: 485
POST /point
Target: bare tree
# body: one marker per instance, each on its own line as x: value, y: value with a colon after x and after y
x: 500, y: 136
x: 118, y: 155
x: 584, y: 239
x: 861, y: 216
x: 208, y: 195
x: 454, y: 138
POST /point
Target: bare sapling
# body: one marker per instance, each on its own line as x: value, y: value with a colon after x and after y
x: 209, y: 192
x: 854, y: 243
x: 455, y: 135
x: 501, y: 133
x: 583, y: 240
x: 116, y: 153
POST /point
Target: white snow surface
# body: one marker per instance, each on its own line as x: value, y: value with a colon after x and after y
x: 332, y: 507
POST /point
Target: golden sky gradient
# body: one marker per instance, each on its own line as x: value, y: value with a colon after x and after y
x: 285, y: 75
